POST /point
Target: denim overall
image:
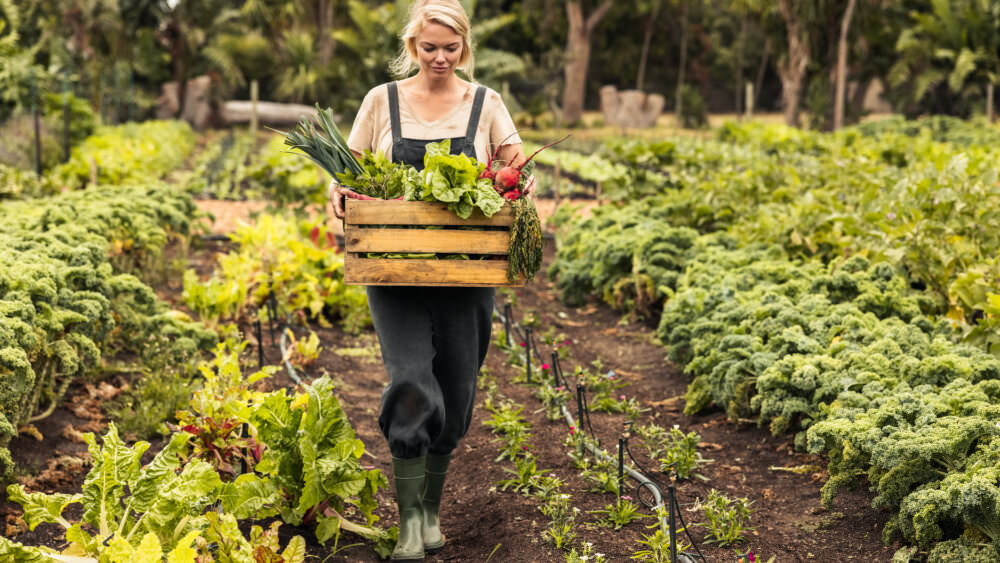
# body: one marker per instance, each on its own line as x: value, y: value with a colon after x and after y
x: 433, y: 339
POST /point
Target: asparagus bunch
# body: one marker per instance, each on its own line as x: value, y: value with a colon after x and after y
x: 323, y: 145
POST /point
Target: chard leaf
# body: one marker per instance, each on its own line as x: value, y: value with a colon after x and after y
x: 327, y: 528
x: 162, y: 468
x: 81, y: 543
x: 249, y: 496
x: 185, y: 551
x: 181, y: 500
x: 13, y: 551
x: 115, y: 465
x: 295, y: 551
x: 41, y: 508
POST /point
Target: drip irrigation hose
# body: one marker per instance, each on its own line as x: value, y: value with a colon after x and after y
x: 628, y: 450
x: 643, y: 481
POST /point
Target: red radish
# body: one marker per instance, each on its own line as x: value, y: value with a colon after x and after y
x: 488, y: 171
x: 509, y: 176
x: 512, y: 195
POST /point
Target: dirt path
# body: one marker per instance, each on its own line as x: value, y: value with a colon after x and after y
x: 486, y: 524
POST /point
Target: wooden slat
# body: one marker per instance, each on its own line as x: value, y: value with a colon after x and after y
x: 420, y: 240
x: 391, y: 212
x: 459, y: 273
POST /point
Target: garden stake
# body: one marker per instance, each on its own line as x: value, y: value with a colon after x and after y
x: 506, y: 323
x: 579, y: 404
x: 672, y: 499
x: 555, y: 368
x: 527, y: 353
x: 260, y: 343
x: 272, y: 310
x: 621, y: 468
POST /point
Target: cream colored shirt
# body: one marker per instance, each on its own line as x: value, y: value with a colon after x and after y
x: 372, y: 129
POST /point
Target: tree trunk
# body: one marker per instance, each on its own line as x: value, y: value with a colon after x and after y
x: 838, y: 101
x: 738, y: 106
x: 679, y: 100
x: 324, y: 27
x: 792, y: 69
x: 646, y: 40
x: 578, y: 57
x: 759, y: 81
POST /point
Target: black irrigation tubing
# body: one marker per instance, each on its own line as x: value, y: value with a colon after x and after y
x: 639, y: 477
x: 658, y: 484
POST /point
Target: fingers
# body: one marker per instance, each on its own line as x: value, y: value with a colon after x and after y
x: 529, y: 186
x: 336, y: 194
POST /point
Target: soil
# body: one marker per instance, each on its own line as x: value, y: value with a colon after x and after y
x: 483, y: 523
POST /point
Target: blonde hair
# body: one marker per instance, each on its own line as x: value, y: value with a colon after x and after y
x: 449, y: 13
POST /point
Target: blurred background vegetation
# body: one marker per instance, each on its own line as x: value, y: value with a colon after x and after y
x: 548, y: 57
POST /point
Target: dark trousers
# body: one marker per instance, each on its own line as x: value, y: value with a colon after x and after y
x: 433, y: 340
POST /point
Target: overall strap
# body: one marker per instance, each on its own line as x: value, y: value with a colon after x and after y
x: 397, y: 129
x: 477, y: 110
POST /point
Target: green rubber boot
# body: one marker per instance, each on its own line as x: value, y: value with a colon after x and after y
x: 408, y: 476
x: 437, y: 470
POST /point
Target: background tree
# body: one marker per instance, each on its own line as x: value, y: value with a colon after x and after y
x: 948, y: 57
x: 838, y: 100
x: 581, y: 28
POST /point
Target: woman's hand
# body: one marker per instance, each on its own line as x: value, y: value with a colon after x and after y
x: 337, y: 193
x: 529, y: 187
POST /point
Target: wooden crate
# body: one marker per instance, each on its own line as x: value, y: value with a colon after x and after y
x: 381, y: 226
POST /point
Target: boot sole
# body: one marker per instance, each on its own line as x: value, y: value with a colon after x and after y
x: 434, y: 549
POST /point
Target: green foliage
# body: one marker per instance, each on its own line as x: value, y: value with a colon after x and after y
x: 694, y: 114
x: 151, y: 402
x: 313, y: 458
x: 676, y: 451
x: 454, y: 179
x: 727, y: 518
x: 64, y: 307
x: 620, y: 514
x: 279, y: 255
x: 146, y: 510
x: 134, y: 152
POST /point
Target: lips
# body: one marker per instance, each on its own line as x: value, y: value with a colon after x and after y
x: 440, y: 68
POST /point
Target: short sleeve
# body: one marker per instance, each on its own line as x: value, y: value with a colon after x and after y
x: 502, y: 128
x: 362, y: 137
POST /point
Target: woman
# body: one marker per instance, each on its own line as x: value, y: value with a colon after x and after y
x: 433, y: 339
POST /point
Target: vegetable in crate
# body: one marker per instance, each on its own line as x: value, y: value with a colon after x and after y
x: 329, y: 151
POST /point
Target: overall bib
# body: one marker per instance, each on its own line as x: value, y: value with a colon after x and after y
x: 433, y: 339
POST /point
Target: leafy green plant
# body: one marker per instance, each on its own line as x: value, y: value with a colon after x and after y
x: 151, y: 402
x: 562, y: 515
x: 621, y: 513
x: 676, y: 451
x: 727, y: 518
x: 278, y: 255
x: 313, y: 458
x: 526, y: 476
x: 514, y: 431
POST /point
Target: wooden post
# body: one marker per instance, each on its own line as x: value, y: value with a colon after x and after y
x: 65, y: 118
x: 253, y: 111
x: 749, y: 100
x: 990, y: 109
x: 38, y: 132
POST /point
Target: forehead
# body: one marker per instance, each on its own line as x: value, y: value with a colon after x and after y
x: 438, y: 34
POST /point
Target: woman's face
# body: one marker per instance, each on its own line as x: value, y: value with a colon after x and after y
x: 439, y: 49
